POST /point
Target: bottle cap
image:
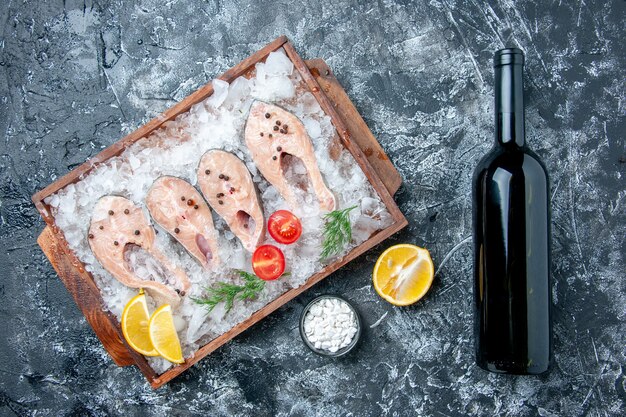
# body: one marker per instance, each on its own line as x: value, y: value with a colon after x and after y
x: 508, y: 56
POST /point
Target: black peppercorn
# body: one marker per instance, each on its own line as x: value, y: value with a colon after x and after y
x: 196, y: 207
x: 116, y: 243
x: 226, y: 178
x: 90, y: 236
x: 182, y: 198
x: 190, y: 202
x: 221, y: 202
x: 136, y: 232
x: 221, y: 176
x: 279, y: 149
x: 126, y: 211
x: 261, y: 133
x: 101, y: 227
x: 207, y: 171
x: 275, y: 128
x: 267, y: 115
x: 278, y: 122
x: 270, y: 135
x: 177, y: 230
x: 274, y: 157
x: 111, y: 212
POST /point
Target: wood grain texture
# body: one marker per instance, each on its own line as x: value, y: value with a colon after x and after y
x: 86, y: 294
x: 355, y: 136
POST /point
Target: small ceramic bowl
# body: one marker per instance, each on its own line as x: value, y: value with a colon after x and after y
x: 323, y: 352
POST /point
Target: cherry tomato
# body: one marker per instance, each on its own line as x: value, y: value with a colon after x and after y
x: 284, y: 227
x: 268, y: 262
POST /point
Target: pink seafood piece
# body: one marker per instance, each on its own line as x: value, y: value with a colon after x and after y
x: 273, y: 136
x: 227, y: 186
x: 118, y: 226
x: 180, y: 209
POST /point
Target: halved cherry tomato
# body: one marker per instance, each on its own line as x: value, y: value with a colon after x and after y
x: 268, y: 262
x: 284, y: 227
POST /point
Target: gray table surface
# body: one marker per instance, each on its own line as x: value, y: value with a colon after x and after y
x: 75, y: 76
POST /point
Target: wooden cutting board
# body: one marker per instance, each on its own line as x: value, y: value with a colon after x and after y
x: 87, y: 296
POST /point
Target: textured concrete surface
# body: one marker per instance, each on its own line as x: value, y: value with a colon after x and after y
x: 75, y: 76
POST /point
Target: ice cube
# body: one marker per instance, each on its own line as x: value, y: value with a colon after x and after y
x: 261, y: 74
x: 238, y: 92
x: 371, y: 206
x: 134, y: 161
x: 220, y: 92
x: 309, y: 104
x: 179, y: 323
x: 312, y: 127
x: 277, y: 63
x: 196, y: 321
x: 200, y: 112
x: 274, y: 88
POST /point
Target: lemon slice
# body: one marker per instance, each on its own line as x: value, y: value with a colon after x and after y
x: 135, y: 319
x: 403, y: 274
x: 163, y: 335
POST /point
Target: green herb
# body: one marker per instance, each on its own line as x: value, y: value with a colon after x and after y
x: 337, y: 232
x: 223, y: 292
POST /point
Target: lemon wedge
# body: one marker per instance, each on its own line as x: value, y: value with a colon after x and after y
x: 135, y: 319
x: 403, y: 274
x: 163, y: 335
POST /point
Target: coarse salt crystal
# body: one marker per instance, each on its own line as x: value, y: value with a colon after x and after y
x: 330, y: 324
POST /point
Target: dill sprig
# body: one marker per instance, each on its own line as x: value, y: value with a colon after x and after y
x: 224, y: 292
x: 337, y: 232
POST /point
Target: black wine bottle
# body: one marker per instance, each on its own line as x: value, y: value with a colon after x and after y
x: 511, y: 221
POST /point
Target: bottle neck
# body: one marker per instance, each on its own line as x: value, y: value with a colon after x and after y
x: 509, y: 103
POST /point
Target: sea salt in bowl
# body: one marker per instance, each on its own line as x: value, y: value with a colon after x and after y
x: 330, y: 311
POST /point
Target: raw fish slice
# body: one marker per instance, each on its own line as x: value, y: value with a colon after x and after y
x: 227, y: 186
x: 118, y: 225
x: 272, y: 135
x: 180, y: 209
